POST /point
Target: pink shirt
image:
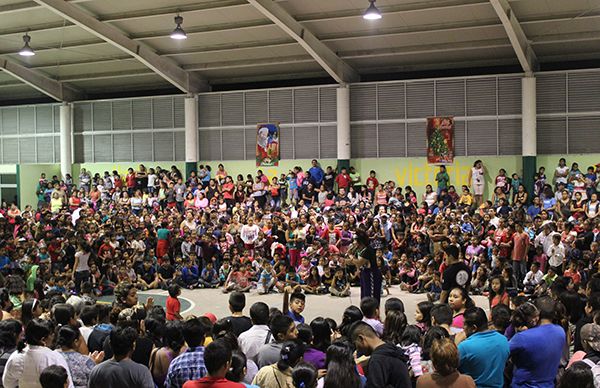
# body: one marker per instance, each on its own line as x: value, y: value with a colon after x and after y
x: 458, y: 321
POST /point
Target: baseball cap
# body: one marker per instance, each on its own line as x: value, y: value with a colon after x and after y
x: 590, y: 333
x: 212, y: 317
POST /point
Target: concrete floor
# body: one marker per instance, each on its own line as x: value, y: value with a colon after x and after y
x: 214, y: 301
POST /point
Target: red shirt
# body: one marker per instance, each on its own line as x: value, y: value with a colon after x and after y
x: 343, y: 180
x: 520, y: 246
x: 130, y: 180
x: 374, y: 182
x: 228, y: 190
x: 575, y: 276
x: 173, y: 307
x: 106, y: 247
x: 212, y: 382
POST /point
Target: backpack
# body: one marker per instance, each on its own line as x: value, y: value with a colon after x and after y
x: 595, y: 371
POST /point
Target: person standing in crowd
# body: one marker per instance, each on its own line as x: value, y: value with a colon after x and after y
x: 520, y: 248
x: 316, y: 173
x: 443, y: 180
x: 476, y: 181
x: 370, y: 274
x: 457, y: 273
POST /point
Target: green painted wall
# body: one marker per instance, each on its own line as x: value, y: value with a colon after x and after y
x: 551, y: 161
x: 404, y: 171
x: 29, y: 175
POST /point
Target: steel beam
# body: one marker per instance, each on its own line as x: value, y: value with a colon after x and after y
x: 165, y: 67
x: 516, y: 35
x: 57, y: 90
x: 339, y: 70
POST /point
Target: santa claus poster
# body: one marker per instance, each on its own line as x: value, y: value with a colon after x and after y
x: 267, y: 145
x: 440, y: 140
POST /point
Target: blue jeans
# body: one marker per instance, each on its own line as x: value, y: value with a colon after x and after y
x: 519, y: 270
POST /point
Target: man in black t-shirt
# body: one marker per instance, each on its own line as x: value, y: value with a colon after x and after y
x: 239, y: 322
x: 329, y: 179
x: 457, y: 273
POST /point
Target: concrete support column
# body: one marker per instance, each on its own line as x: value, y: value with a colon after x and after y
x: 191, y: 134
x: 529, y: 131
x: 343, y: 127
x: 66, y: 133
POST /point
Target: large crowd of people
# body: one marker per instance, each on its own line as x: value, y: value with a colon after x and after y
x: 533, y: 254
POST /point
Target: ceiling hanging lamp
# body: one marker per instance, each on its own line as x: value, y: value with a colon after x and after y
x: 26, y: 51
x: 372, y: 13
x: 178, y: 33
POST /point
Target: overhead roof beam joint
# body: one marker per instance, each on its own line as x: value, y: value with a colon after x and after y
x: 337, y: 68
x: 165, y: 67
x: 521, y: 45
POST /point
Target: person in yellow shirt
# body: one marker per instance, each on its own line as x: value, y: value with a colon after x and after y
x: 56, y: 202
x: 466, y: 199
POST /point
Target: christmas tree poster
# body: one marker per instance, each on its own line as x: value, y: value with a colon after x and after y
x: 267, y: 145
x: 440, y: 140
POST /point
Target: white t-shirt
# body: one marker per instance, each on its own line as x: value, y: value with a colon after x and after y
x: 562, y: 171
x: 151, y: 180
x: 430, y: 198
x: 249, y: 234
x: 83, y: 261
x: 477, y: 176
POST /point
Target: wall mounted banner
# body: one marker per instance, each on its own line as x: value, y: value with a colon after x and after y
x: 440, y: 140
x: 267, y: 145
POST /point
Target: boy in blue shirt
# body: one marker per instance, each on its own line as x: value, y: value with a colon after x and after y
x: 209, y: 277
x: 190, y: 274
x: 266, y: 279
x: 294, y: 306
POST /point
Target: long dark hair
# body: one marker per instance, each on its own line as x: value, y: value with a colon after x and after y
x: 27, y: 310
x: 5, y: 302
x: 435, y: 333
x: 425, y: 309
x: 321, y: 332
x: 411, y: 335
x: 341, y: 369
x: 493, y: 294
x: 394, y: 325
x: 351, y: 314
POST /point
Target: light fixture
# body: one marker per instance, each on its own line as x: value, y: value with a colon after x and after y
x: 178, y: 33
x: 372, y: 13
x: 26, y: 51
